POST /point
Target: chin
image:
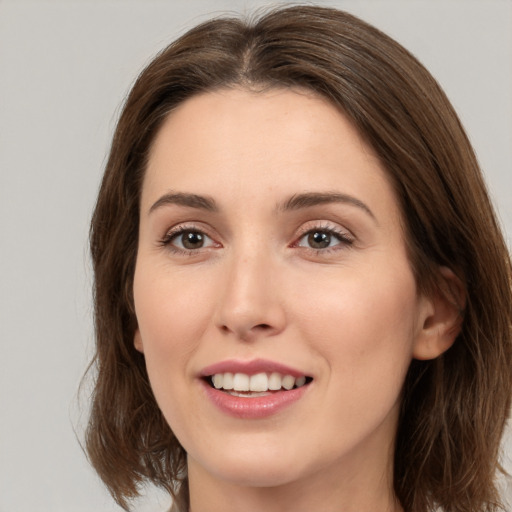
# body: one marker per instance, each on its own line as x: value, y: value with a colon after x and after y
x: 256, y: 475
x: 254, y: 468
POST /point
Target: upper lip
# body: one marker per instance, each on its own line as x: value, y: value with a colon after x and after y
x: 251, y: 367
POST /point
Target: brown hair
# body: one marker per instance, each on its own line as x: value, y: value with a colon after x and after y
x: 454, y: 407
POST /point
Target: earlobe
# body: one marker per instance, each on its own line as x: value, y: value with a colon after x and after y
x: 137, y: 341
x: 442, y: 319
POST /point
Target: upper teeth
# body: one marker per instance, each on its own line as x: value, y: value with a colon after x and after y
x: 259, y: 382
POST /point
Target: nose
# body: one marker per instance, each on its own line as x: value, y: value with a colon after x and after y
x: 251, y: 304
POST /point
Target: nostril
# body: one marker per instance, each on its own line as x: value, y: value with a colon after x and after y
x: 248, y: 331
x: 258, y: 327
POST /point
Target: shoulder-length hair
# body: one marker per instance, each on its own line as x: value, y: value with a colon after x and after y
x: 454, y: 407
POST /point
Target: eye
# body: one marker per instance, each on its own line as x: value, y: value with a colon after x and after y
x: 187, y: 239
x: 323, y: 238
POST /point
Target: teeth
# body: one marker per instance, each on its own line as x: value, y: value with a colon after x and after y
x: 288, y: 382
x: 300, y: 381
x: 258, y: 383
x: 274, y: 381
x: 227, y: 380
x: 241, y: 382
x: 218, y: 380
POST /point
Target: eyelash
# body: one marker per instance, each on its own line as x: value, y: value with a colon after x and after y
x: 344, y: 238
x: 178, y: 231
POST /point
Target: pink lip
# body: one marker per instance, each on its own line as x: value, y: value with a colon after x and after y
x: 249, y: 367
x: 255, y: 407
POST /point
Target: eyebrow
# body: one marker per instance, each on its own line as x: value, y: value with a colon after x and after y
x: 310, y: 199
x: 296, y: 202
x: 186, y: 199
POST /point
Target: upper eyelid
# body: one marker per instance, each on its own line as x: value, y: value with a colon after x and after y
x: 306, y: 227
x: 345, y: 236
x: 324, y: 225
x: 188, y: 226
x: 176, y: 230
x: 173, y: 233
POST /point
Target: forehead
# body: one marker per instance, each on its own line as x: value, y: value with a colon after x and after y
x: 235, y: 142
x: 291, y: 119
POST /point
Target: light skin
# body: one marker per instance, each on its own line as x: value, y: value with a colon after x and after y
x: 297, y: 256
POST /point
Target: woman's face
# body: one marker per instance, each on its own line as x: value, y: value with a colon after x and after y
x: 271, y: 247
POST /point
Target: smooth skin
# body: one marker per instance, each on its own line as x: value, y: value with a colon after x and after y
x: 230, y: 266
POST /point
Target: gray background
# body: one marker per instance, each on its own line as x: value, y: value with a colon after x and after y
x: 64, y: 68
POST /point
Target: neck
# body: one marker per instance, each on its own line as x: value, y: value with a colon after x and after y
x: 332, y: 489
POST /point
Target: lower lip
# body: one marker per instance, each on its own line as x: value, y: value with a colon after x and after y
x: 255, y: 407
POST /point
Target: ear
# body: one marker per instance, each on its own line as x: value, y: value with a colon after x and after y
x: 441, y: 317
x: 137, y: 341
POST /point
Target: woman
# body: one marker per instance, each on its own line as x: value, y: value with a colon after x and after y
x: 302, y: 297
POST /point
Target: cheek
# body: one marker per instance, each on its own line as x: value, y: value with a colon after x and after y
x: 359, y: 301
x: 364, y: 326
x: 171, y: 319
x: 170, y: 315
x: 363, y: 329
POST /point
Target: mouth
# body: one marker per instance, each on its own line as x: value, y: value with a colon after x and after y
x: 255, y: 389
x: 256, y: 385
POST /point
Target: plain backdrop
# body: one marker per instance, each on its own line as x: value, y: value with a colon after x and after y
x: 65, y: 67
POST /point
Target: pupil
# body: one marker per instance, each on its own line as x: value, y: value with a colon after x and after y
x: 192, y: 240
x: 319, y: 240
